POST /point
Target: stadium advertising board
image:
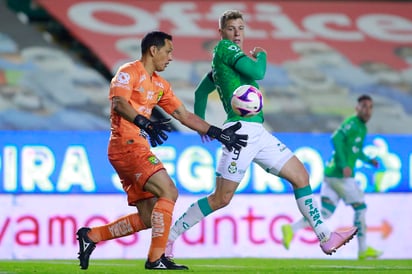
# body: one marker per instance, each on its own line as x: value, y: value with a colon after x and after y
x: 350, y: 26
x: 76, y: 163
x: 44, y: 227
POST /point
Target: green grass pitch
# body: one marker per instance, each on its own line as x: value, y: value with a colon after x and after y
x: 236, y: 265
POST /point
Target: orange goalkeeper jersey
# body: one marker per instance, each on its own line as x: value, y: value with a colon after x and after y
x: 143, y: 93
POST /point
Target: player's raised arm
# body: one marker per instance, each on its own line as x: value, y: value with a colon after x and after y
x: 227, y: 137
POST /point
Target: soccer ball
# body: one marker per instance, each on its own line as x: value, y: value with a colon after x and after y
x: 247, y: 101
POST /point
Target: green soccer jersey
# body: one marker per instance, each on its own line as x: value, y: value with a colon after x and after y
x: 347, y: 142
x: 230, y: 70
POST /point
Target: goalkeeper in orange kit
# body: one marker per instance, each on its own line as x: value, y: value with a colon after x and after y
x: 134, y: 91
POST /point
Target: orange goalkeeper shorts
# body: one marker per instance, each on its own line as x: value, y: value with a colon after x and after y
x: 134, y: 167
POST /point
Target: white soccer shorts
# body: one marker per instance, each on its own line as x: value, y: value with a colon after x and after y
x: 262, y: 148
x: 346, y: 189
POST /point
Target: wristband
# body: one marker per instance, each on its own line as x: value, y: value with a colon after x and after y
x: 213, y: 132
x: 141, y: 121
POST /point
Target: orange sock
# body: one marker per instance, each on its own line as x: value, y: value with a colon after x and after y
x: 123, y: 226
x: 161, y: 221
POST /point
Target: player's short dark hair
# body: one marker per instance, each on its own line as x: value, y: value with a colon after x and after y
x: 364, y: 97
x: 229, y: 15
x: 154, y: 38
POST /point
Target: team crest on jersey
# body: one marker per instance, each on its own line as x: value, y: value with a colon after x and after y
x: 232, y: 168
x: 123, y: 78
x: 160, y: 94
x: 152, y: 159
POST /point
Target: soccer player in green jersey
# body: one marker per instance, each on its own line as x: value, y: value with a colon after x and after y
x: 339, y: 182
x: 231, y: 68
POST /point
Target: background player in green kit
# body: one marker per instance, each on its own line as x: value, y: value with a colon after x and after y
x: 339, y: 182
x: 231, y: 68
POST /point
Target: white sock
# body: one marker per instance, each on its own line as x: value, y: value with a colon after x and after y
x: 360, y: 223
x: 194, y: 214
x: 300, y: 224
x: 310, y: 210
x: 303, y: 223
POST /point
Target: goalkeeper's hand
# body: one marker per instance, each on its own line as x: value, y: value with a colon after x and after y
x: 228, y: 136
x: 155, y: 130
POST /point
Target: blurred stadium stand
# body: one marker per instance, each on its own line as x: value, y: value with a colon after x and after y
x: 51, y: 80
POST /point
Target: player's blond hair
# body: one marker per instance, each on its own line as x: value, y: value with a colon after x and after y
x: 229, y: 15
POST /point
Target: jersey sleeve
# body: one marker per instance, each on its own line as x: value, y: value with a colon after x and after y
x: 365, y: 158
x: 202, y: 91
x: 123, y: 82
x: 253, y: 69
x: 229, y: 52
x: 168, y: 101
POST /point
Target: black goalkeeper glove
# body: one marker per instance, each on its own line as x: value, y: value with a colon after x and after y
x: 228, y: 136
x: 155, y: 130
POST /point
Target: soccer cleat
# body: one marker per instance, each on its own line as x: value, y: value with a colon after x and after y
x: 86, y: 247
x: 369, y: 253
x: 287, y: 233
x: 164, y: 263
x: 169, y: 249
x: 337, y: 239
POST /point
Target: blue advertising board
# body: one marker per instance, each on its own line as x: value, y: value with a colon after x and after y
x: 58, y: 162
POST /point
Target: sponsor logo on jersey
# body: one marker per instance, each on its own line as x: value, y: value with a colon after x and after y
x: 142, y: 78
x: 150, y: 94
x: 123, y: 78
x: 159, y: 84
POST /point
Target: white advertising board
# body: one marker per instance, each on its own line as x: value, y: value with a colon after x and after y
x: 44, y: 226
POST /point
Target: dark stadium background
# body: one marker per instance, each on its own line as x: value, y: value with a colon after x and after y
x: 54, y: 126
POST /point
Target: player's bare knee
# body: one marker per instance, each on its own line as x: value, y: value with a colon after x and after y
x: 174, y: 194
x: 297, y: 179
x: 170, y: 193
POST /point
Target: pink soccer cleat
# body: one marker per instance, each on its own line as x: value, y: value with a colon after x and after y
x: 337, y: 239
x: 169, y: 249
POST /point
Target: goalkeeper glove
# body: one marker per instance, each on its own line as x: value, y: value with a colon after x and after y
x: 228, y: 136
x: 155, y: 130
